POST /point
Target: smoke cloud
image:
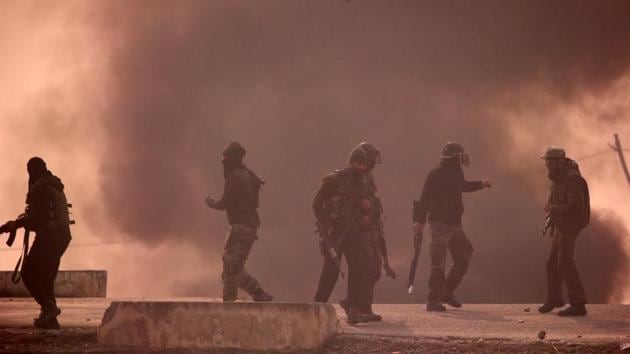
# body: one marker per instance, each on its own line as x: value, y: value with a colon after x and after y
x: 153, y: 91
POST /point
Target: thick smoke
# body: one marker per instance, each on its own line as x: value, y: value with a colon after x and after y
x: 299, y: 83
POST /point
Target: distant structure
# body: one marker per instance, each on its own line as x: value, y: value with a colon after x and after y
x: 619, y: 150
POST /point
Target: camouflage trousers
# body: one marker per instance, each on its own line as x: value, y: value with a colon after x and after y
x: 237, y: 247
x: 561, y: 268
x: 447, y: 238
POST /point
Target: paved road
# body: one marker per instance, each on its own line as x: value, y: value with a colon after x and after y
x: 604, y: 323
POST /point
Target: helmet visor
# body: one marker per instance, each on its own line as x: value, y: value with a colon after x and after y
x: 464, y: 159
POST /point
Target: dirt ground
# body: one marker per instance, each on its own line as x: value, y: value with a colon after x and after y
x: 83, y: 340
x: 405, y: 329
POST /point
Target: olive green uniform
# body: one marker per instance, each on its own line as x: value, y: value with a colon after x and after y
x: 570, y: 212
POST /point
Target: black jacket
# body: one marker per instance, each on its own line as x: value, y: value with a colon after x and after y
x: 240, y: 197
x: 47, y: 207
x: 441, y: 197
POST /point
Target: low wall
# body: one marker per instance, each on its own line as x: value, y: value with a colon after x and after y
x: 214, y: 325
x: 69, y: 283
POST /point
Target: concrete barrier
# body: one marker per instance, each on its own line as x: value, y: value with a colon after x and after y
x: 74, y: 283
x: 217, y: 325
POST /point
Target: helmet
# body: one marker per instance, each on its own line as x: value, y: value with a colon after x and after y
x: 366, y: 153
x: 554, y: 153
x: 455, y: 150
x: 234, y: 151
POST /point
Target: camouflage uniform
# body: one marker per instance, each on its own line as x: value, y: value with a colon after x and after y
x: 237, y: 247
x: 240, y: 201
x: 345, y: 200
x: 449, y: 238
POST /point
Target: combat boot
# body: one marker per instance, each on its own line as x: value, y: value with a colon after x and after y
x: 355, y: 316
x: 42, y: 310
x: 573, y: 310
x: 262, y: 296
x: 435, y: 306
x: 49, y: 312
x: 373, y: 317
x: 451, y: 301
x: 549, y: 306
x: 50, y: 324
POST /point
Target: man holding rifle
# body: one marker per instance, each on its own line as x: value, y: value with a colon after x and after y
x: 441, y: 200
x: 348, y: 215
x: 568, y: 212
x: 48, y: 216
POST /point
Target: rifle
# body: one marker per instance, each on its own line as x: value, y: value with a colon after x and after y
x: 417, y: 246
x: 382, y: 247
x: 548, y: 225
x: 11, y: 227
x: 328, y: 249
x: 325, y: 240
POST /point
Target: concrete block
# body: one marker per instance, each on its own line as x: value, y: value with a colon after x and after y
x: 217, y: 325
x: 74, y: 283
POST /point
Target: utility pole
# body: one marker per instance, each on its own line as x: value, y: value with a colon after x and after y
x: 617, y: 148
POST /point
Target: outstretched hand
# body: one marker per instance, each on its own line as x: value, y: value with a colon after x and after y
x: 210, y: 202
x: 486, y: 184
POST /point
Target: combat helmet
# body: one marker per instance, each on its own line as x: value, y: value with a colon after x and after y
x: 454, y: 150
x: 366, y: 153
x: 234, y: 151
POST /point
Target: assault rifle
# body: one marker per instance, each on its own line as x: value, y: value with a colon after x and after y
x: 327, y: 246
x: 382, y: 247
x: 10, y: 227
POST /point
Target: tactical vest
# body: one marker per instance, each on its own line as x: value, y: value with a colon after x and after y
x: 350, y: 191
x: 59, y: 212
x: 56, y: 213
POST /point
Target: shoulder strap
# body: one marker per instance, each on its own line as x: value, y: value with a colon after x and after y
x: 17, y: 272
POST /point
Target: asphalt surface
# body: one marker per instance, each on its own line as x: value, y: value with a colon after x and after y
x: 473, y: 328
